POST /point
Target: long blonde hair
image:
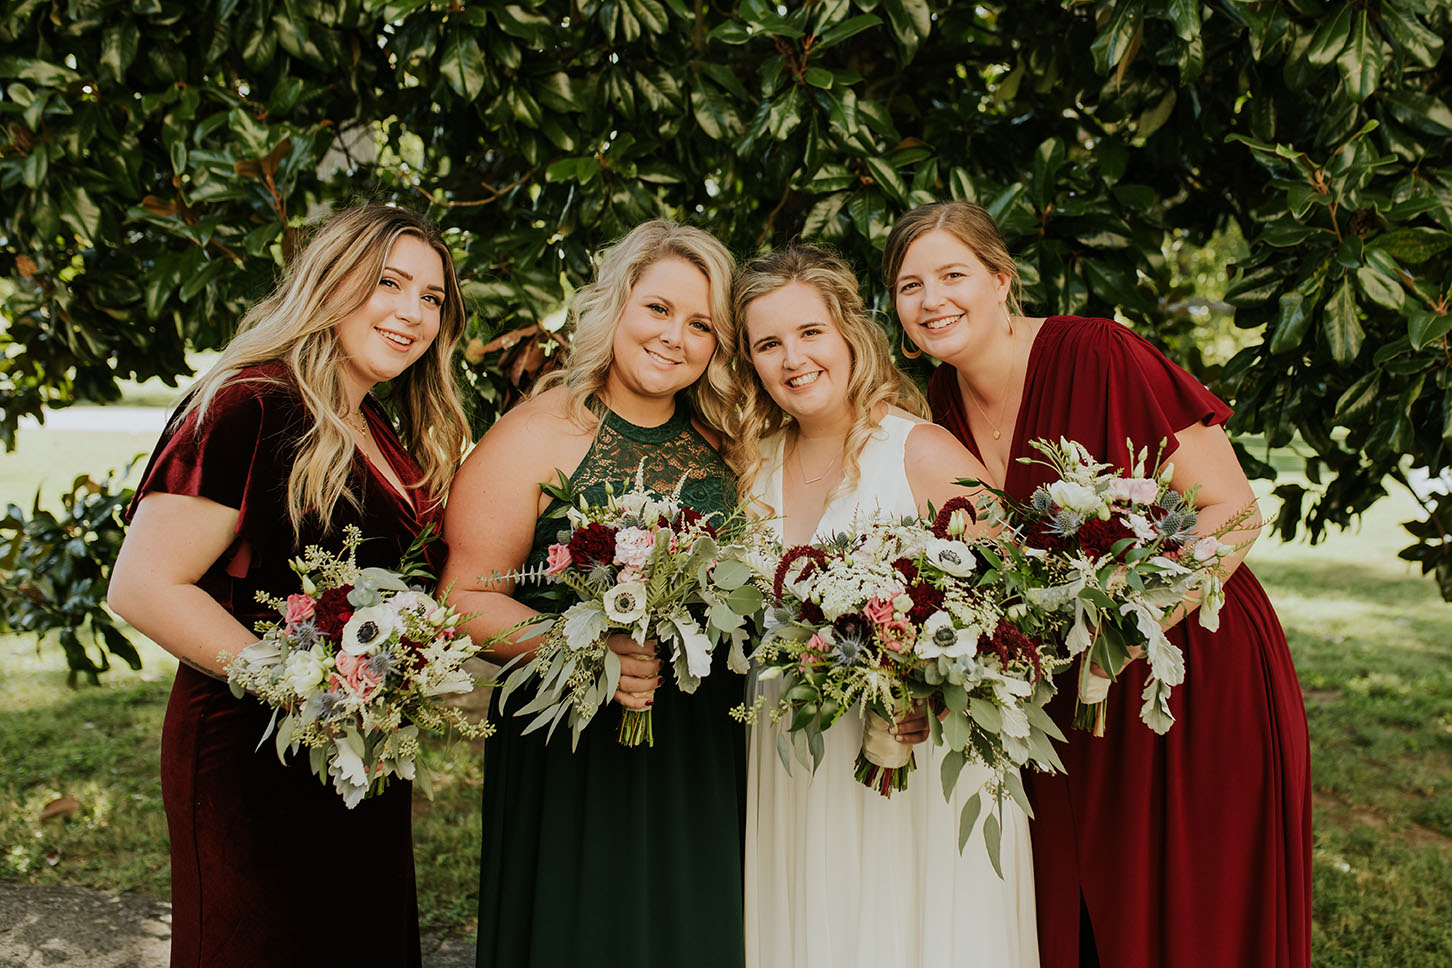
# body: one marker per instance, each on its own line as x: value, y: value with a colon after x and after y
x: 875, y: 381
x: 968, y: 223
x: 330, y: 278
x: 599, y: 305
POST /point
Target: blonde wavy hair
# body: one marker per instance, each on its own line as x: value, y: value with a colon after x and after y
x: 874, y: 383
x: 598, y: 306
x: 968, y: 223
x: 330, y: 278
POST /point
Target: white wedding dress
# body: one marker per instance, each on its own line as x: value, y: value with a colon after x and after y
x: 839, y: 876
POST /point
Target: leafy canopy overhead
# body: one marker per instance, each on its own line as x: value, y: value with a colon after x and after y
x: 158, y: 157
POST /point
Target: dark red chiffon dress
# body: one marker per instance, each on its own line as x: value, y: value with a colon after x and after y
x: 268, y: 868
x: 1191, y: 849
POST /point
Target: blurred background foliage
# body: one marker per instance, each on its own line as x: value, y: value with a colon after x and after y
x: 1263, y: 187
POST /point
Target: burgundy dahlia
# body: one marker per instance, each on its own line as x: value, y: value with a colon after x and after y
x: 333, y: 611
x: 906, y: 569
x: 1097, y: 536
x: 926, y: 601
x: 594, y: 543
x: 1040, y: 535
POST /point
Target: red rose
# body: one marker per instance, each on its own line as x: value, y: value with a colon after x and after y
x: 593, y: 543
x: 1097, y: 536
x: 333, y: 611
x: 926, y: 601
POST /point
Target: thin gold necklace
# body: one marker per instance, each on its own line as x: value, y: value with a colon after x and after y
x: 1008, y: 384
x: 361, y: 425
x: 801, y: 472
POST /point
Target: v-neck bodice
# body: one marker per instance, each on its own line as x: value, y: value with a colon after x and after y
x: 881, y: 486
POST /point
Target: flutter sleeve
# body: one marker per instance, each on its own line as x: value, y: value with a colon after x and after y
x: 239, y: 454
x: 1145, y: 397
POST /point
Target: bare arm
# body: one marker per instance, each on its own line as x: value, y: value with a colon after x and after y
x: 173, y: 540
x: 494, y: 503
x: 1206, y: 458
x: 935, y: 461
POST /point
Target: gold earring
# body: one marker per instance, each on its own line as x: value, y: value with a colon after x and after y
x: 913, y: 353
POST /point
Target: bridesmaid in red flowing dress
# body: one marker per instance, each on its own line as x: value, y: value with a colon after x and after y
x: 1191, y: 849
x: 278, y: 447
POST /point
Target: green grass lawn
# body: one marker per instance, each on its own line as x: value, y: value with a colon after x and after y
x: 1369, y: 636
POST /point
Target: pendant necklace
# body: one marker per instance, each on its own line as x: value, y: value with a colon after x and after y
x: 1003, y: 408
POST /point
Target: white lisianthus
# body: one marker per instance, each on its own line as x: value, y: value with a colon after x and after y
x: 412, y: 602
x: 1142, y: 527
x: 940, y: 638
x: 902, y: 604
x: 1078, y: 498
x: 625, y: 603
x: 368, y: 629
x: 305, y: 671
x: 952, y: 557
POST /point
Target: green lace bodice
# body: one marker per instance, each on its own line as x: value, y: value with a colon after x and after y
x: 670, y: 451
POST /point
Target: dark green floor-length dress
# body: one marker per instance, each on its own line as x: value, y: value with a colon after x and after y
x: 614, y: 856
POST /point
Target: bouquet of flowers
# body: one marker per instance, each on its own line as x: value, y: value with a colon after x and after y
x: 356, y: 668
x: 641, y: 564
x: 1109, y: 556
x: 894, y: 615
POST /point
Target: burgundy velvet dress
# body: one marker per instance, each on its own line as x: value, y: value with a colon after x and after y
x: 268, y: 867
x: 1191, y: 849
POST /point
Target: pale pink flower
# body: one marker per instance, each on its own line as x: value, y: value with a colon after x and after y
x: 299, y: 608
x: 633, y: 547
x: 557, y: 559
x: 1135, y: 490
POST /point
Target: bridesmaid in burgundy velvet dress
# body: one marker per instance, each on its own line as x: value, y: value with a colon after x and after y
x: 1191, y: 849
x: 276, y: 448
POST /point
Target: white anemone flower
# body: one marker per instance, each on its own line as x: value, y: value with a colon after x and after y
x: 953, y: 557
x: 625, y: 603
x: 940, y: 638
x: 368, y: 629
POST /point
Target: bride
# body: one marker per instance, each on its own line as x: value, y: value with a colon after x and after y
x: 837, y: 875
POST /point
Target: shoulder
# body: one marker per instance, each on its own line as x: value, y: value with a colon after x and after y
x: 929, y: 443
x: 531, y: 439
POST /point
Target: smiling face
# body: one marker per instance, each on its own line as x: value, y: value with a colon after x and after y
x: 800, y: 355
x: 664, y: 338
x: 947, y: 300
x: 400, y: 318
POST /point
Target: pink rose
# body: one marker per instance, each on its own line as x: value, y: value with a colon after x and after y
x: 299, y: 608
x: 633, y: 547
x: 557, y: 559
x: 879, y: 611
x: 345, y: 663
x: 897, y: 635
x: 1136, y: 490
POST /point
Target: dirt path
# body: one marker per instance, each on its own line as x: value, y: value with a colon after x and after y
x: 76, y: 927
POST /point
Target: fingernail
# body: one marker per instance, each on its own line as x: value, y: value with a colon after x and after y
x: 650, y: 702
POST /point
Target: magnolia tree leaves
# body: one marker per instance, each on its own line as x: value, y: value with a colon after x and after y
x: 159, y: 161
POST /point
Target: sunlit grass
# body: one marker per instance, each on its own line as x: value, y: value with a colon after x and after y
x: 1369, y: 635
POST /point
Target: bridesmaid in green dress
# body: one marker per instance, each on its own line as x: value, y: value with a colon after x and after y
x: 610, y: 856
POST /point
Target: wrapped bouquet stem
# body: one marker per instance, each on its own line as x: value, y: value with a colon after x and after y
x: 884, y: 763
